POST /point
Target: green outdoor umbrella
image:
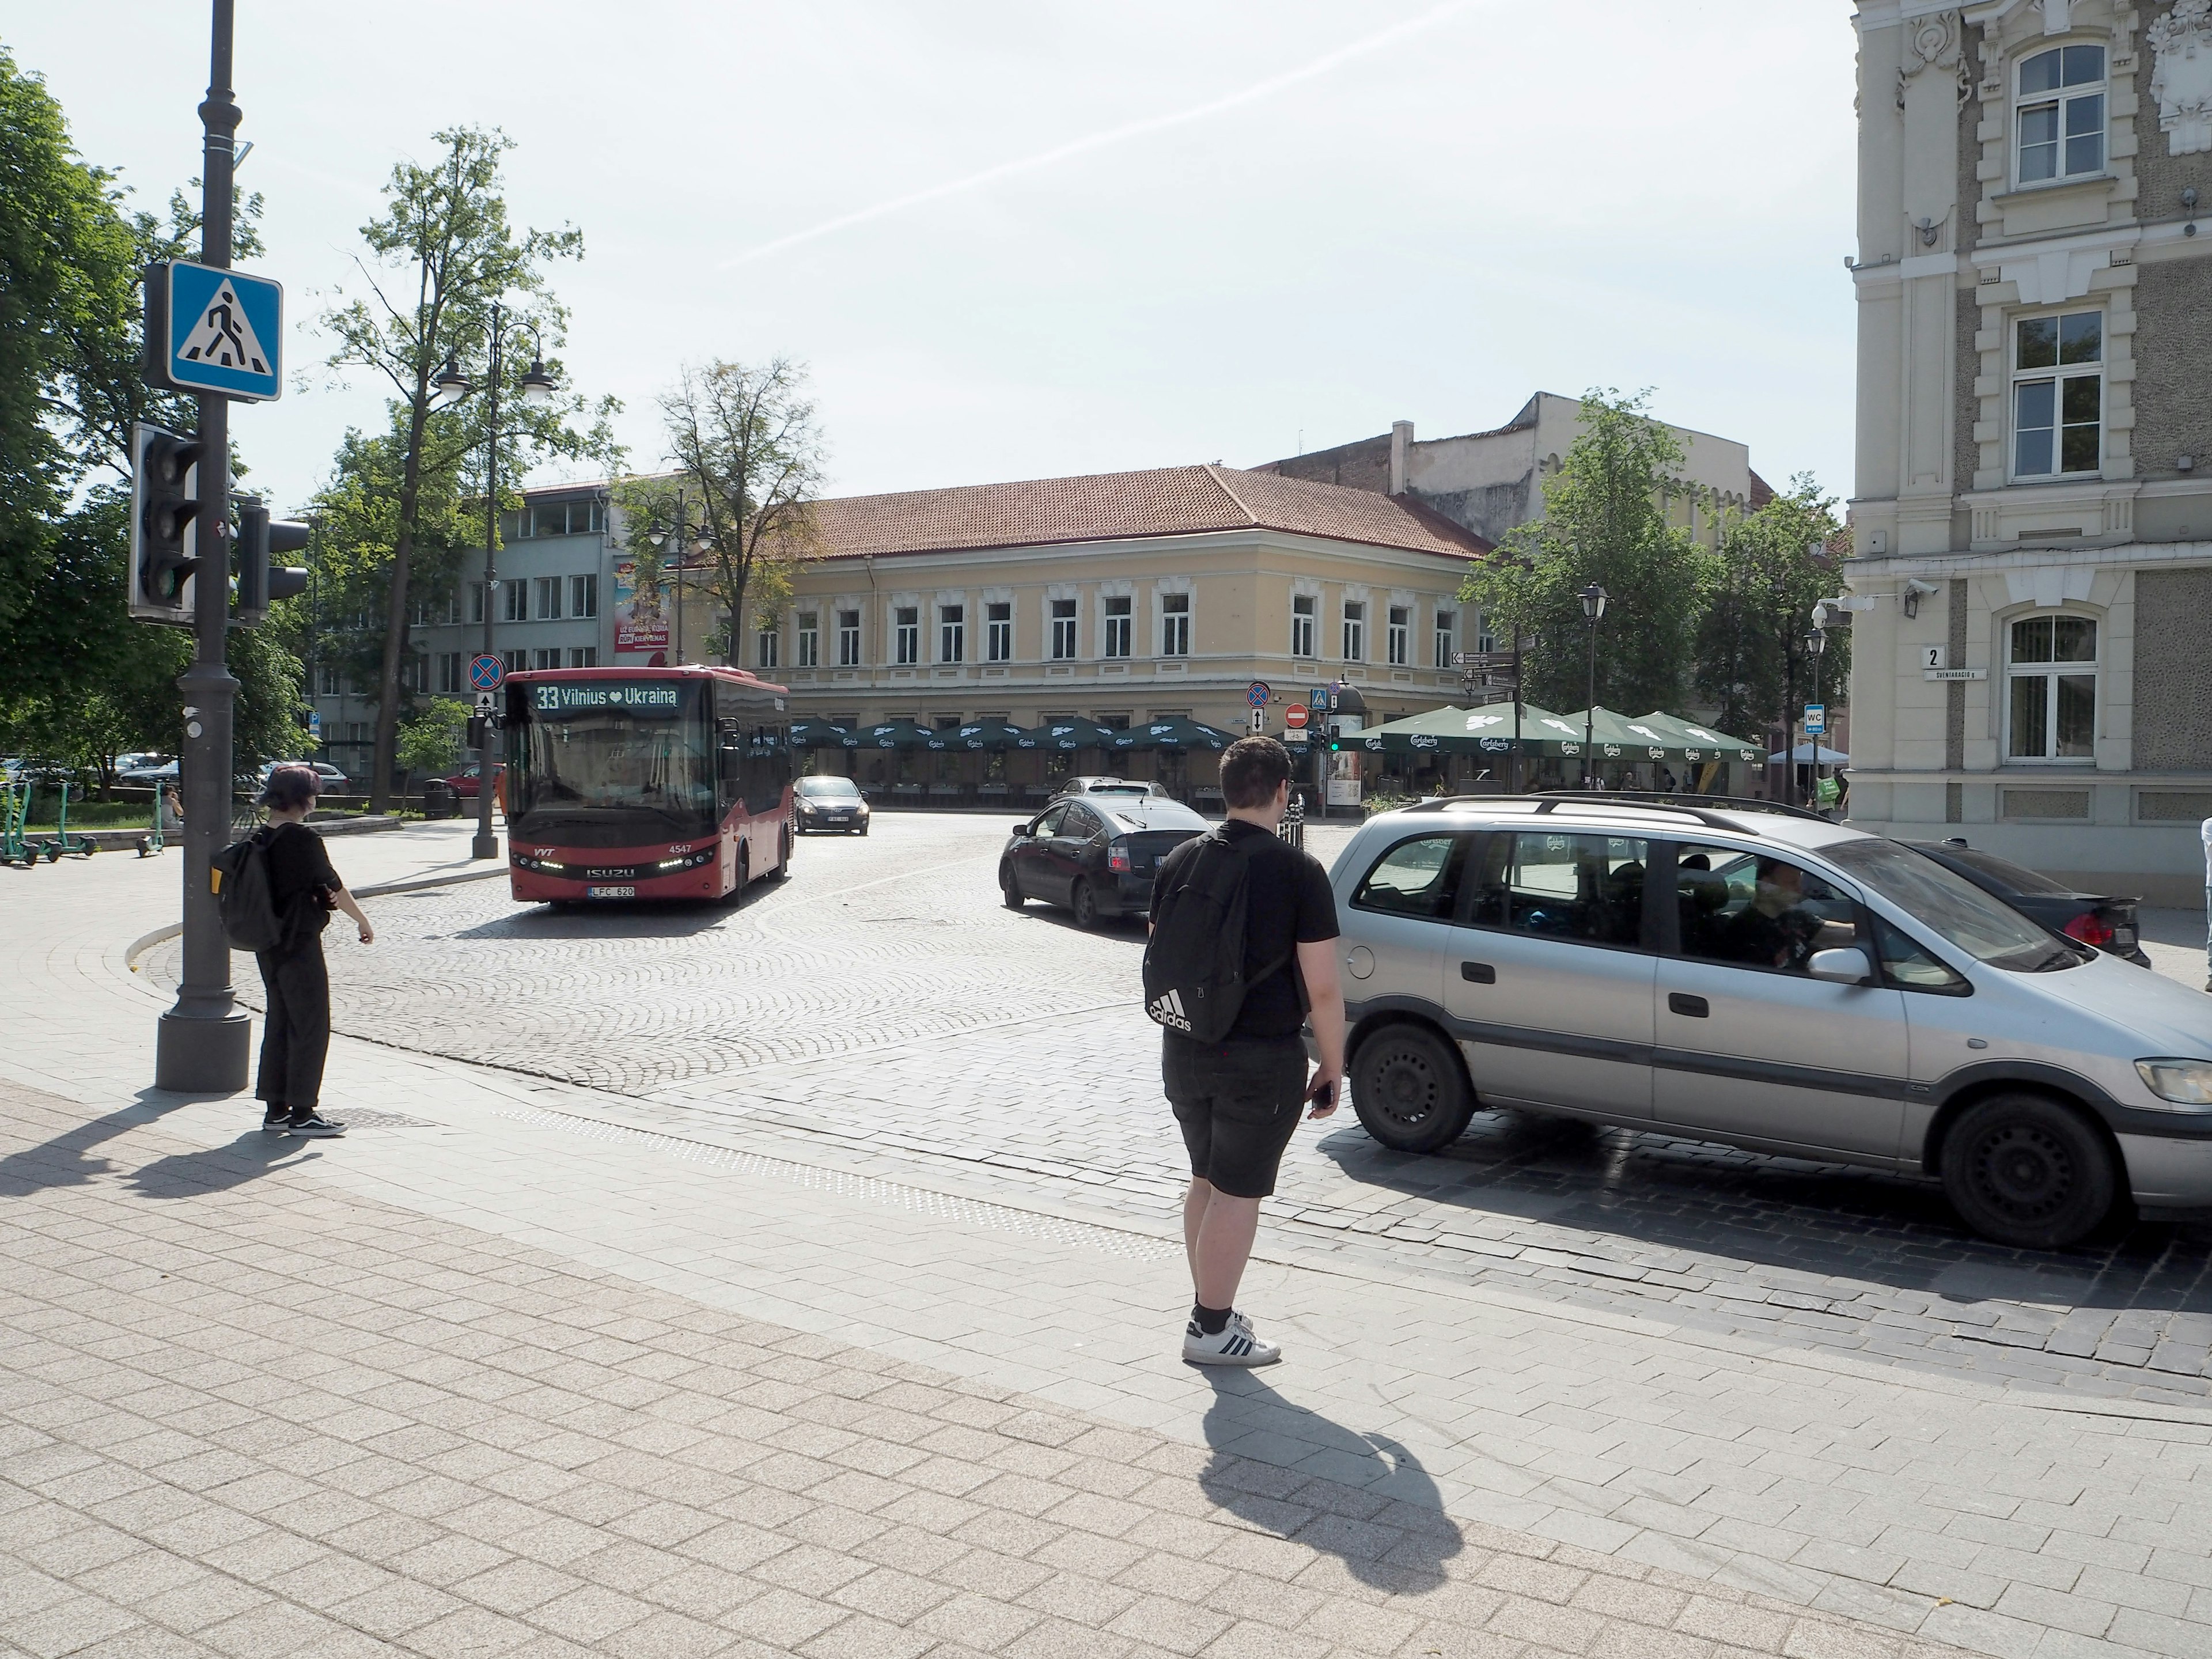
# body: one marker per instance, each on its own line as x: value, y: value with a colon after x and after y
x: 1699, y: 743
x: 818, y: 734
x: 892, y: 734
x: 1485, y: 731
x: 1066, y: 737
x: 1616, y: 737
x: 1176, y: 731
x: 980, y: 734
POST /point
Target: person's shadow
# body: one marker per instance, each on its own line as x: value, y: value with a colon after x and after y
x: 72, y: 1157
x: 1290, y: 1471
x: 218, y: 1168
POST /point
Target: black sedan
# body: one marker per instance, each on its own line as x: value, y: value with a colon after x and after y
x: 1097, y: 855
x: 2095, y: 919
x: 827, y: 801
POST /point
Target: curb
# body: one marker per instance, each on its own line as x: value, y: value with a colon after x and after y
x: 145, y: 942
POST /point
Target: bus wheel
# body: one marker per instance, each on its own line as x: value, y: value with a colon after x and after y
x: 783, y: 860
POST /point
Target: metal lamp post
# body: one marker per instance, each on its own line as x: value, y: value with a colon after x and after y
x: 536, y: 387
x: 673, y: 525
x: 1815, y: 643
x: 1592, y: 598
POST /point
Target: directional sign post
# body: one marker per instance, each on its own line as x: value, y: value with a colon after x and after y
x: 223, y: 332
x: 485, y: 673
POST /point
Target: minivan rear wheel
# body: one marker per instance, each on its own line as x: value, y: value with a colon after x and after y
x: 2022, y: 1169
x: 1409, y: 1090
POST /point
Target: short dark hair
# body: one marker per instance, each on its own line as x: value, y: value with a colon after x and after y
x: 1252, y: 769
x: 289, y: 786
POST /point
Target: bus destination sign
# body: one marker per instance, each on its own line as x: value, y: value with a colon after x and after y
x: 592, y: 696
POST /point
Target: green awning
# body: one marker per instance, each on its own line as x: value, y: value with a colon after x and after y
x: 1699, y: 743
x: 1451, y: 730
x: 892, y: 734
x: 1174, y: 732
x: 1066, y: 737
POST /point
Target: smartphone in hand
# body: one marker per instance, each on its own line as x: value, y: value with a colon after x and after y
x: 1322, y: 1099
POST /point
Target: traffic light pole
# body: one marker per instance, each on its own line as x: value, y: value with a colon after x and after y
x: 204, y: 1038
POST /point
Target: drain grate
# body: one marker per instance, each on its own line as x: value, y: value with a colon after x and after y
x: 970, y: 1212
x: 373, y: 1120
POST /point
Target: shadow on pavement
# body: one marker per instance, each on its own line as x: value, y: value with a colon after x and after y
x: 1288, y: 1470
x: 69, y: 1159
x: 219, y: 1169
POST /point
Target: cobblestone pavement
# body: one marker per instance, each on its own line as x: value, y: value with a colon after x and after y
x: 244, y: 1413
x: 883, y: 1001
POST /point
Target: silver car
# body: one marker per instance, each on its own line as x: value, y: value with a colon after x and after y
x: 1768, y: 980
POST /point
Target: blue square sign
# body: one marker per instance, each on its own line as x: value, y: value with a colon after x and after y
x: 226, y: 332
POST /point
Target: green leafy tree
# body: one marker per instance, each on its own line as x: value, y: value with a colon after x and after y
x: 1775, y: 565
x: 1604, y: 521
x: 430, y: 743
x: 439, y: 257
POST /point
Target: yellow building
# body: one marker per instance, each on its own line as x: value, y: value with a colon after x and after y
x: 1122, y: 597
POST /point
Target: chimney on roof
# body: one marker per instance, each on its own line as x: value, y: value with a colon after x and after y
x: 1401, y: 440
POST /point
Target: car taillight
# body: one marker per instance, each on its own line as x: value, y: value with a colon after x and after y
x: 2091, y: 929
x: 1117, y: 856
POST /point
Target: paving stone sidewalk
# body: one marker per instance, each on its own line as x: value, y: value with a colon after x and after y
x: 244, y: 1414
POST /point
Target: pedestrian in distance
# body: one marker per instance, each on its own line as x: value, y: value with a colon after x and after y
x: 1242, y: 956
x: 295, y: 1032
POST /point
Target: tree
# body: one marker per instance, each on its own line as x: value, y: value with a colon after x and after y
x: 430, y: 743
x: 749, y: 455
x: 443, y: 244
x: 1774, y: 565
x: 1604, y: 521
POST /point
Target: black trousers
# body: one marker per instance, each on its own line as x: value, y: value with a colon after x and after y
x: 296, y: 1034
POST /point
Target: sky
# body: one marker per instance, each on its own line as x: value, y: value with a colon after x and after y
x: 1018, y: 239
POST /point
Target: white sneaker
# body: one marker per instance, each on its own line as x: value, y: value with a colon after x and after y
x: 1233, y: 1344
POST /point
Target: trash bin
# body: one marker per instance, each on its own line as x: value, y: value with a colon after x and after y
x: 441, y: 799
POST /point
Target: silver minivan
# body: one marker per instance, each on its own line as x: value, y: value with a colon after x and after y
x: 1770, y: 980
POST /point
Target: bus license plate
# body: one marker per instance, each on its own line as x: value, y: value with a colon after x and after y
x: 610, y: 892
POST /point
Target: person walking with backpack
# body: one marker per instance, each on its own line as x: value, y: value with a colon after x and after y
x: 1242, y: 953
x: 303, y: 890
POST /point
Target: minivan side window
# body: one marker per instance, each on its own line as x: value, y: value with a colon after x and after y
x: 1416, y: 878
x: 1753, y: 911
x: 1588, y: 888
x: 1907, y: 966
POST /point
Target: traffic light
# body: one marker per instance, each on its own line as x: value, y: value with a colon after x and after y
x: 260, y: 580
x: 1336, y: 737
x: 164, y: 484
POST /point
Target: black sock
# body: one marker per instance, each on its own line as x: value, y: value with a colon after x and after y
x: 1212, y: 1320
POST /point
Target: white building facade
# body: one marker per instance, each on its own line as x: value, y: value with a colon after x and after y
x: 2032, y: 507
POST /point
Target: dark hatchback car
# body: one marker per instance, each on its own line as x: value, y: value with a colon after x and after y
x: 1096, y: 855
x: 827, y: 801
x: 2093, y: 918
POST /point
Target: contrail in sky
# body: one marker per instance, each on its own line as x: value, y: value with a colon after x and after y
x: 1252, y: 93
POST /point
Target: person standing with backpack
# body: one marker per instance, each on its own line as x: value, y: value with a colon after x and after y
x: 1242, y: 953
x: 303, y: 890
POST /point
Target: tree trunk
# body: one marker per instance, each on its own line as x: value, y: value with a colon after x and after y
x: 395, y: 630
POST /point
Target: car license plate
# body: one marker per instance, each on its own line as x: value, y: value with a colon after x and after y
x: 2124, y: 937
x: 610, y: 892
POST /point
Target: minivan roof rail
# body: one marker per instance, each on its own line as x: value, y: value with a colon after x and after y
x: 1550, y: 800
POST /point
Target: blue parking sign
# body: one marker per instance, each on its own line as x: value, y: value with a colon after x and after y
x: 226, y: 332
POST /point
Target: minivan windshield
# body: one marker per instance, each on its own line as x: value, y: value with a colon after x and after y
x: 1983, y: 926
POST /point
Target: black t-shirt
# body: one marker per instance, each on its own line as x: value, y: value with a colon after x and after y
x: 299, y: 874
x: 1287, y: 903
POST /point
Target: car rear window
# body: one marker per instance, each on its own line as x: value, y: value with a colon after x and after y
x: 2017, y: 877
x: 1154, y: 813
x: 1978, y: 923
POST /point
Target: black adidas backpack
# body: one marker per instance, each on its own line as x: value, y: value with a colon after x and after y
x: 1194, y: 979
x: 251, y: 919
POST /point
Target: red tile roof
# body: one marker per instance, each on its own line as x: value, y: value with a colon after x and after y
x: 1176, y: 500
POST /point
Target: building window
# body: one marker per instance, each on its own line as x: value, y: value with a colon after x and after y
x: 1483, y: 641
x: 450, y: 678
x: 766, y: 646
x: 583, y: 656
x: 909, y: 635
x: 2062, y: 114
x: 1447, y: 637
x: 1303, y: 610
x: 475, y: 602
x: 514, y: 600
x: 809, y: 640
x: 1175, y: 624
x: 584, y: 596
x: 546, y: 598
x: 1399, y: 640
x: 546, y: 656
x: 1355, y: 630
x: 999, y: 630
x: 1063, y: 630
x: 849, y: 639
x: 2058, y: 395
x: 1117, y: 611
x: 327, y: 682
x: 516, y: 660
x: 2051, y: 694
x: 952, y: 633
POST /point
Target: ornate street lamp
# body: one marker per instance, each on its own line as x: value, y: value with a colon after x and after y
x: 1592, y: 598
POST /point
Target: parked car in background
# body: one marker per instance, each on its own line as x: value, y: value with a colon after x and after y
x: 469, y: 779
x: 333, y: 780
x: 127, y: 767
x: 829, y: 802
x: 1096, y: 855
x: 1767, y: 980
x: 2095, y: 919
x: 1097, y: 786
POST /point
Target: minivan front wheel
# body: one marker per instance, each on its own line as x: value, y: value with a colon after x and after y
x: 2022, y: 1169
x: 1409, y: 1090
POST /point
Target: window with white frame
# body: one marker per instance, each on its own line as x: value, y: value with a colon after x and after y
x: 548, y: 656
x: 1447, y: 637
x: 2050, y: 688
x: 451, y: 677
x: 517, y: 661
x: 475, y: 602
x: 2060, y: 116
x: 584, y: 595
x: 515, y: 600
x: 1175, y: 624
x: 849, y: 639
x: 1355, y: 630
x: 1118, y: 609
x: 583, y: 656
x: 999, y: 630
x: 1304, y: 608
x: 768, y: 647
x: 952, y: 633
x: 2058, y: 395
x: 1063, y: 630
x: 907, y: 634
x: 808, y: 639
x: 1398, y: 642
x: 327, y: 682
x: 546, y: 598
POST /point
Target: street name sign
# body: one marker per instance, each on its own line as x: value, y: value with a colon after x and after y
x: 224, y: 332
x: 485, y: 672
x: 1955, y: 674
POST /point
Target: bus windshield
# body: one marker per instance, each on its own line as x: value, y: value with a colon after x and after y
x: 633, y: 758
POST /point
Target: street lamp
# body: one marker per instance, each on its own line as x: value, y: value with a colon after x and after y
x: 1592, y: 598
x: 536, y: 386
x: 1815, y: 643
x: 674, y: 523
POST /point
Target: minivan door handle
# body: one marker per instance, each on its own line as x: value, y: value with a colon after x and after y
x: 1481, y: 973
x: 1680, y: 1002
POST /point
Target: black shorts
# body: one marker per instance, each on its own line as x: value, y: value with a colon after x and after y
x: 1237, y: 1104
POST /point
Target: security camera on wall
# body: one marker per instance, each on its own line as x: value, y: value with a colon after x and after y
x: 1914, y: 590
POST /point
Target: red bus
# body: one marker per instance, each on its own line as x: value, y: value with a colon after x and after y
x: 645, y: 783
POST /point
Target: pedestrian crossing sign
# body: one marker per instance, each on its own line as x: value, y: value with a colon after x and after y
x: 225, y: 332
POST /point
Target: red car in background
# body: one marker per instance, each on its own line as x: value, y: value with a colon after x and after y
x: 464, y: 782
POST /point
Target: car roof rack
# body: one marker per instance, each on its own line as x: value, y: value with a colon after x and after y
x: 1550, y: 800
